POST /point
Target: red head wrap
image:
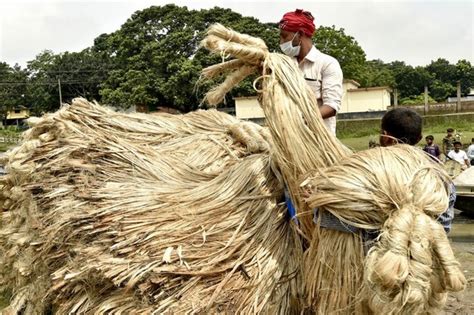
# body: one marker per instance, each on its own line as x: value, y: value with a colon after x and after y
x: 299, y: 20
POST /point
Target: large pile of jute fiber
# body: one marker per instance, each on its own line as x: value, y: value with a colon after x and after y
x: 110, y: 212
x: 397, y: 192
x: 132, y: 213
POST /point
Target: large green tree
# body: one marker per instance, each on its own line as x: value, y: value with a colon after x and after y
x: 13, y: 85
x: 157, y: 58
x: 336, y: 43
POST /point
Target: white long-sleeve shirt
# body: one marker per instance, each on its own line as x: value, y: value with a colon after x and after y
x: 470, y: 152
x: 324, y: 75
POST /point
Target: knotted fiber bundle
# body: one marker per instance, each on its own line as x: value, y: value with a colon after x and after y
x: 116, y: 213
x: 396, y: 191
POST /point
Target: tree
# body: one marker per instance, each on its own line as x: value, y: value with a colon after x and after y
x: 343, y: 47
x: 377, y: 73
x: 80, y: 73
x: 465, y: 74
x: 408, y: 80
x: 158, y: 49
x: 12, y: 88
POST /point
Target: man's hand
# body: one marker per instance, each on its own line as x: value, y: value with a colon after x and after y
x: 327, y: 111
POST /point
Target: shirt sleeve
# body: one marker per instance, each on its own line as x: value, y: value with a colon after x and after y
x: 437, y: 151
x: 465, y: 156
x: 332, y: 85
x: 470, y: 152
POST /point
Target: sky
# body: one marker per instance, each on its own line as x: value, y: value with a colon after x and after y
x: 412, y: 31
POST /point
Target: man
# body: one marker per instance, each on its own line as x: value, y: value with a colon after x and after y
x: 431, y: 148
x: 448, y: 141
x: 459, y: 155
x: 322, y: 72
x: 470, y: 152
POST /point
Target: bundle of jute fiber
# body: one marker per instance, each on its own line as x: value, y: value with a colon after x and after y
x: 411, y: 266
x: 397, y: 192
x: 290, y: 108
x: 136, y: 213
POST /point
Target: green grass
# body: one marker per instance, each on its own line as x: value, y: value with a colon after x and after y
x: 431, y: 124
x: 356, y: 134
x: 362, y: 143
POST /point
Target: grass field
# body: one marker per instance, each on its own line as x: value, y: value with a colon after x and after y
x: 362, y: 143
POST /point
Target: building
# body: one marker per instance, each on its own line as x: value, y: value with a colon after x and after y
x: 355, y: 101
x: 248, y: 108
x: 17, y: 116
x: 467, y: 98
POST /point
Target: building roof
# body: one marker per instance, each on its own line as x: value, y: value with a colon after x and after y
x: 351, y: 81
x: 370, y: 89
x: 245, y: 97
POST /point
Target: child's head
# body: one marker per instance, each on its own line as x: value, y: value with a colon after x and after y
x: 401, y: 125
x: 457, y: 146
x: 429, y: 139
x: 450, y: 132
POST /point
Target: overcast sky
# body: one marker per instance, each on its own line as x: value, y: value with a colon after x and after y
x: 412, y: 31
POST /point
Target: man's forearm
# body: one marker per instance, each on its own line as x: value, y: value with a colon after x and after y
x: 327, y: 111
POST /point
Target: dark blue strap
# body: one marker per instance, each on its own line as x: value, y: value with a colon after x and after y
x: 291, y: 208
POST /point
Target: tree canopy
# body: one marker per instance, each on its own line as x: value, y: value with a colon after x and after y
x: 155, y: 60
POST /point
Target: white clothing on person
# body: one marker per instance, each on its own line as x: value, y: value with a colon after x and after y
x: 324, y: 76
x: 470, y: 152
x: 460, y: 157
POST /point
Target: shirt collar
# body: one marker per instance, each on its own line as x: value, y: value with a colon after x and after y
x: 312, y: 54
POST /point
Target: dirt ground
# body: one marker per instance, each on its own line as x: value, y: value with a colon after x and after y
x: 463, y: 302
x: 462, y: 242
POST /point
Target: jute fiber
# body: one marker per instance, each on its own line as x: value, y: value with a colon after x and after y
x: 397, y: 192
x: 114, y: 213
x: 136, y: 213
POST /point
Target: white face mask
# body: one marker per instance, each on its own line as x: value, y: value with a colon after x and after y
x: 288, y: 49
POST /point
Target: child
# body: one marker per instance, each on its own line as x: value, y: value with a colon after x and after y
x: 459, y: 155
x: 431, y: 148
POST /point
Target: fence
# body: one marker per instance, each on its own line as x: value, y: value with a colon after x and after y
x: 440, y: 108
x: 9, y: 139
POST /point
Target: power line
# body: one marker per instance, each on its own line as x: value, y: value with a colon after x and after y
x: 50, y: 83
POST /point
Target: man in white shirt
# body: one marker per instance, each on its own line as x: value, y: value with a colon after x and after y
x: 470, y: 152
x: 459, y: 155
x: 322, y: 72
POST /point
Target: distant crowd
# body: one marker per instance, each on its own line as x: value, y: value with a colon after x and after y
x: 451, y: 149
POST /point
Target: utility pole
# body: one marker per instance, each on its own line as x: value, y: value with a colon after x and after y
x: 458, y: 100
x: 425, y: 111
x: 60, y: 95
x: 395, y: 98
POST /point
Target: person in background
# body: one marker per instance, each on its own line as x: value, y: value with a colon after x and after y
x: 431, y: 148
x: 448, y: 141
x: 459, y: 155
x: 322, y: 72
x: 470, y: 152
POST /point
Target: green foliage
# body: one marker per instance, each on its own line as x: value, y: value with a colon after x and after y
x: 12, y: 88
x: 377, y: 73
x: 446, y: 77
x: 155, y: 59
x: 158, y: 59
x: 431, y: 124
x: 343, y: 47
x: 416, y: 100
